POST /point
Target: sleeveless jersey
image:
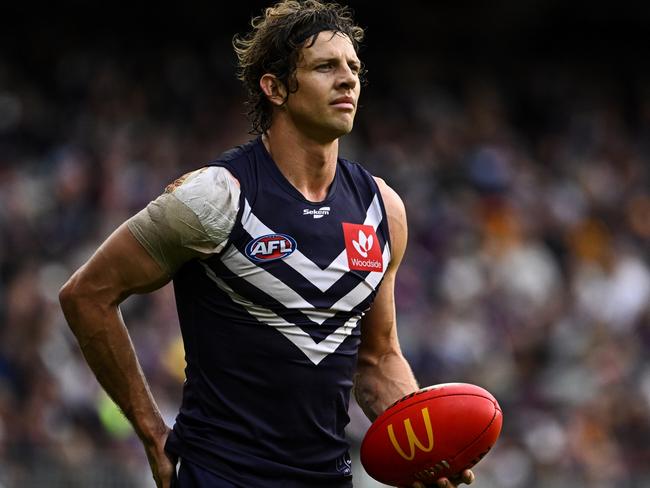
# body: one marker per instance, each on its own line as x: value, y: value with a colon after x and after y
x: 271, y: 327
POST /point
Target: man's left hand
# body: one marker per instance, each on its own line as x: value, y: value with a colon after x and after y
x: 467, y: 477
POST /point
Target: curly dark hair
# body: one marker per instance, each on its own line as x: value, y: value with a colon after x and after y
x: 274, y: 44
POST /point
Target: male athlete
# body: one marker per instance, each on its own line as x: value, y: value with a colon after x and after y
x: 283, y: 258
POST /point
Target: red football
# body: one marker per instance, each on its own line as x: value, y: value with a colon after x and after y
x: 434, y: 432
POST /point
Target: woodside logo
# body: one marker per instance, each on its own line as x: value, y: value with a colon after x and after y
x: 362, y: 247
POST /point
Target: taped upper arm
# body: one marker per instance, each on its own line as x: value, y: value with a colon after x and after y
x: 192, y: 219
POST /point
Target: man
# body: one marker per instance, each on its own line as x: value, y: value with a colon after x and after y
x: 277, y: 250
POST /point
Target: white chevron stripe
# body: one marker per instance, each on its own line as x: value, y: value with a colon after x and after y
x: 373, y: 214
x: 322, y: 279
x: 364, y: 288
x: 239, y: 264
x: 236, y: 262
x: 316, y: 352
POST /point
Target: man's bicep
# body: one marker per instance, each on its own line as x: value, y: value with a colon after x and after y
x: 120, y: 267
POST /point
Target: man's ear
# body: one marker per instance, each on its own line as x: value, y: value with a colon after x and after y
x: 274, y: 89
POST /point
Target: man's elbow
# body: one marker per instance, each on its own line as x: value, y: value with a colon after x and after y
x: 70, y: 297
x: 76, y: 299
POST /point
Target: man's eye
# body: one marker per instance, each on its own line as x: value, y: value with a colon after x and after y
x: 324, y: 66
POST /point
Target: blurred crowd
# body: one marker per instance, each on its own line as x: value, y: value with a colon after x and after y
x: 527, y: 270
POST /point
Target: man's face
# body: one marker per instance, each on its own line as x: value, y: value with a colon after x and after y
x: 328, y: 88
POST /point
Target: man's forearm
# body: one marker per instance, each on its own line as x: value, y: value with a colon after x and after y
x: 108, y: 349
x: 379, y: 383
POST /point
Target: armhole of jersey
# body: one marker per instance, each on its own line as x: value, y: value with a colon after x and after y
x: 384, y: 220
x: 236, y: 229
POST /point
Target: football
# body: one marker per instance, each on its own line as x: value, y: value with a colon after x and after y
x: 436, y: 431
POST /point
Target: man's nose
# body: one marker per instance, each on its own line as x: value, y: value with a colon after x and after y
x: 348, y: 78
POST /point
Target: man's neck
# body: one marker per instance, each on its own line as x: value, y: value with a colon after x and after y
x: 309, y: 165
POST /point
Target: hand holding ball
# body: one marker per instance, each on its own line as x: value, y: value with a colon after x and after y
x: 434, y: 432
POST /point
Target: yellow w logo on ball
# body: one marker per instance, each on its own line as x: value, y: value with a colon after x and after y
x: 412, y: 438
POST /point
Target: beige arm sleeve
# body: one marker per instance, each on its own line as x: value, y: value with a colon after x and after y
x: 192, y: 219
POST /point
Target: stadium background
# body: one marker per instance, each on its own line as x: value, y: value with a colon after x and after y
x: 516, y: 132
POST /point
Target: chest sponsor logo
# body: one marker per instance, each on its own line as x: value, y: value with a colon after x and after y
x: 317, y: 213
x: 362, y: 247
x: 271, y: 247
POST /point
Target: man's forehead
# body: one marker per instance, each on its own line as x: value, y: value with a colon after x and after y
x: 329, y: 44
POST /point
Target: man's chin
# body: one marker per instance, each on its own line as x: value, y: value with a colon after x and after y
x: 342, y: 129
x: 332, y: 131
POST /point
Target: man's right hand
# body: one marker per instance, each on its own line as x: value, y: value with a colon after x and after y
x: 162, y: 467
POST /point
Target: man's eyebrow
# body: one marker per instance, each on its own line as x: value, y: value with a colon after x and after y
x: 324, y: 59
x: 333, y: 59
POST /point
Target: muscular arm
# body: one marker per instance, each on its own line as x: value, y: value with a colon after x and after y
x: 383, y: 375
x: 90, y: 300
x: 192, y: 219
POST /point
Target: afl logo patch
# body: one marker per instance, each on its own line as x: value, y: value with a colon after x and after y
x: 270, y: 247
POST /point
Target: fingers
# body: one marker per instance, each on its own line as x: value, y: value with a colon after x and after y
x: 167, y: 475
x: 466, y: 477
x: 163, y: 468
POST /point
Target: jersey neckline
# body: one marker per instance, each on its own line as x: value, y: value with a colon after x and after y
x: 286, y: 184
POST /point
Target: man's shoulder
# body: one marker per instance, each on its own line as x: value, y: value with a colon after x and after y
x: 392, y: 201
x: 200, y: 181
x: 201, y: 192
